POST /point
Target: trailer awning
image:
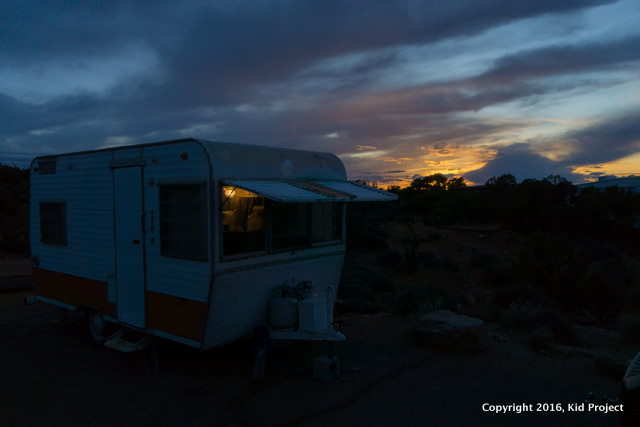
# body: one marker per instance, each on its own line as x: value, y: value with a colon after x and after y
x: 312, y: 191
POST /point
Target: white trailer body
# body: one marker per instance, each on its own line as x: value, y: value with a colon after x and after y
x: 189, y: 239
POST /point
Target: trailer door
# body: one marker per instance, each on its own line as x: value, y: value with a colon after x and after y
x: 128, y: 212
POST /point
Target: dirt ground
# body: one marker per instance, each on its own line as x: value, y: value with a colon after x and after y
x: 50, y: 374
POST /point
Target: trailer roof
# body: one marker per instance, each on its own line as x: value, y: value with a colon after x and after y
x: 280, y: 174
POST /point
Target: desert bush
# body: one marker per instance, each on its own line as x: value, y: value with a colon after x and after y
x: 449, y: 264
x: 389, y: 258
x: 607, y: 213
x: 484, y: 260
x: 15, y: 242
x: 606, y: 288
x: 421, y: 299
x: 540, y: 339
x: 433, y: 236
x: 633, y: 298
x: 520, y: 293
x: 377, y: 281
x: 532, y: 319
x: 375, y: 242
x: 496, y: 276
x: 359, y: 305
x: 523, y: 315
x: 13, y: 190
x: 610, y: 368
x: 353, y: 287
x: 573, y: 278
x: 556, y: 263
x: 430, y: 260
x: 630, y: 330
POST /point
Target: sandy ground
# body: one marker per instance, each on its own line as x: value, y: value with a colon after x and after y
x: 50, y: 374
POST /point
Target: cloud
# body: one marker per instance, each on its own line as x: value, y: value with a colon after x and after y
x: 564, y: 59
x: 519, y: 161
x: 607, y: 140
x: 306, y: 74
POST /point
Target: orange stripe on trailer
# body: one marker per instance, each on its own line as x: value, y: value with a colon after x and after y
x: 176, y: 316
x: 72, y: 290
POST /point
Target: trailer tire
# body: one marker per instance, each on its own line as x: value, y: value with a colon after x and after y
x: 99, y: 329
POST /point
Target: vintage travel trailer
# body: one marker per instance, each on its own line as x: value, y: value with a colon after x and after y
x: 191, y: 240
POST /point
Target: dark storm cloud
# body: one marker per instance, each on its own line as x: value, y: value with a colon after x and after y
x: 606, y: 140
x: 518, y: 160
x: 40, y: 30
x: 562, y: 60
x: 246, y: 42
x: 511, y: 78
x: 488, y: 88
x: 225, y: 49
x: 215, y: 57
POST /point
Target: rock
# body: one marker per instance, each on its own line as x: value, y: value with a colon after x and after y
x: 444, y: 329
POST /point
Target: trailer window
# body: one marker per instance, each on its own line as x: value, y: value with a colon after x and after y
x: 53, y: 223
x: 183, y: 219
x: 254, y: 225
x: 243, y: 221
x: 47, y: 166
x: 326, y: 222
x: 290, y: 228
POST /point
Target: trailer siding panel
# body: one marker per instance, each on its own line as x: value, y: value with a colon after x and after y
x: 84, y: 183
x: 183, y: 278
x: 240, y: 298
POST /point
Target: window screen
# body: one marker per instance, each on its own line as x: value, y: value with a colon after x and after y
x: 326, y: 222
x: 47, y: 166
x: 183, y: 219
x: 53, y: 223
x: 290, y: 225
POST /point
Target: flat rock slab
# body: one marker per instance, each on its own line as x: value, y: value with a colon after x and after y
x: 446, y: 330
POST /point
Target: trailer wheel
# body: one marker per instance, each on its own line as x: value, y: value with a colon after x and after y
x: 98, y: 327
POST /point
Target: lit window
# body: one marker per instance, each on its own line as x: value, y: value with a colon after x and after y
x: 183, y: 218
x: 243, y: 221
x: 53, y: 223
x: 254, y: 225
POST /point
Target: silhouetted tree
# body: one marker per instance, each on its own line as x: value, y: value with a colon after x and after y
x: 13, y: 189
x: 437, y: 181
x: 501, y: 182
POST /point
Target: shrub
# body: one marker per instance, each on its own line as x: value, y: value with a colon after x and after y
x: 606, y: 287
x: 496, y: 276
x: 519, y: 293
x: 633, y: 300
x: 610, y: 368
x: 378, y: 282
x: 537, y: 320
x: 449, y: 264
x: 484, y: 260
x: 540, y: 339
x: 13, y: 241
x: 375, y: 242
x: 436, y: 237
x: 389, y: 258
x: 354, y: 287
x: 419, y: 299
x: 359, y: 305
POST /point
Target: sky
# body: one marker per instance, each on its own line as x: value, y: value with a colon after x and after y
x: 398, y: 89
